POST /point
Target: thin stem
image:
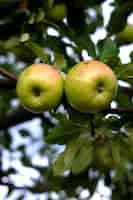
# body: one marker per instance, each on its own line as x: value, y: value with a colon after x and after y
x: 119, y: 110
x: 7, y: 74
x: 34, y: 189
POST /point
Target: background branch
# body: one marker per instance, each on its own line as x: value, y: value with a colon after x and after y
x: 126, y: 90
x: 7, y: 84
x: 18, y: 116
x: 119, y: 110
x: 35, y: 189
x: 8, y: 75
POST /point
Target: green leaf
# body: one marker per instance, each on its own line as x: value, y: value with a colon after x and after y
x: 125, y: 72
x: 84, y: 42
x: 59, y: 61
x: 24, y: 132
x: 70, y: 153
x: 120, y: 15
x: 63, y: 132
x: 21, y: 197
x: 59, y: 165
x: 37, y: 50
x: 9, y: 44
x: 123, y: 99
x: 120, y: 171
x: 26, y: 160
x: 116, y: 153
x: 55, y: 44
x: 125, y: 36
x: 116, y: 195
x: 108, y: 52
x: 6, y: 139
x: 5, y: 2
x: 21, y: 148
x: 107, y: 179
x: 131, y: 56
x: 83, y: 159
x: 79, y: 118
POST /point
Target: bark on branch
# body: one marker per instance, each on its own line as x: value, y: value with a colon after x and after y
x: 126, y: 90
x: 119, y: 110
x: 10, y: 82
x: 8, y: 75
x: 43, y: 187
x: 7, y: 84
x: 18, y: 116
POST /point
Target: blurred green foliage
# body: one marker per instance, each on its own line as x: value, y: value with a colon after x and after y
x: 28, y: 34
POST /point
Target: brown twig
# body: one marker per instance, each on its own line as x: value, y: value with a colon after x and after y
x: 15, y: 187
x: 119, y: 110
x: 43, y: 187
x: 17, y: 116
x: 8, y: 75
x: 7, y: 84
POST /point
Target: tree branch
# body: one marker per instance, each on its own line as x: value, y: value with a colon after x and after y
x: 14, y: 187
x: 8, y: 75
x: 119, y: 110
x: 126, y: 90
x: 18, y: 116
x: 35, y: 189
x: 7, y: 84
x: 10, y: 82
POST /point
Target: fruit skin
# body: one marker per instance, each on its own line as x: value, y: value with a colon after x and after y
x: 126, y: 35
x: 57, y: 12
x: 40, y: 87
x: 90, y: 86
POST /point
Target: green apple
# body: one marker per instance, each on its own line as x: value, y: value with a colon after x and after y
x: 90, y: 86
x: 40, y: 87
x: 57, y: 12
x: 126, y: 35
